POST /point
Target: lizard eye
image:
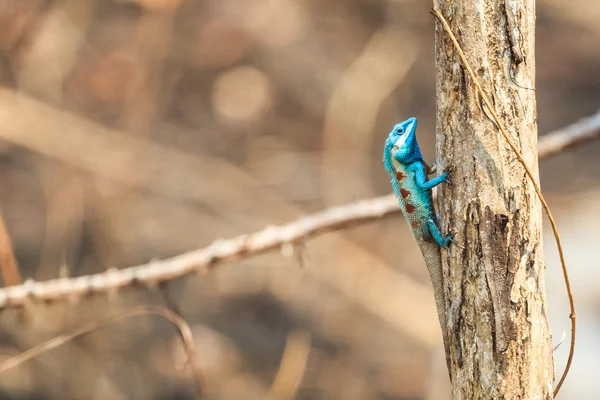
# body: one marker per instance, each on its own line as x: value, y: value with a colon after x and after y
x: 400, y: 131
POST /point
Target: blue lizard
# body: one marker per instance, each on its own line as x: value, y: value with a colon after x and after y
x: 404, y: 162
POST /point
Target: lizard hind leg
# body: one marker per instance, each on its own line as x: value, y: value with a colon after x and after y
x: 439, y: 238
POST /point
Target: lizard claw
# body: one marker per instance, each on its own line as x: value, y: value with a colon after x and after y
x: 445, y: 176
x: 451, y: 238
x: 458, y: 244
x: 447, y: 171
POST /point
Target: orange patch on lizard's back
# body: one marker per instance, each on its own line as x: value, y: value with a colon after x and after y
x: 410, y: 208
x: 404, y: 193
x: 400, y: 176
x: 414, y: 224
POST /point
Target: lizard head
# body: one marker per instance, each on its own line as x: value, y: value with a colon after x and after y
x: 401, y: 144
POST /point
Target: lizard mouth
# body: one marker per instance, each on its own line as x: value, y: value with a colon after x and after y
x: 410, y: 125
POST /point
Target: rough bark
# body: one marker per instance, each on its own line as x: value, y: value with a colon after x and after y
x: 500, y: 339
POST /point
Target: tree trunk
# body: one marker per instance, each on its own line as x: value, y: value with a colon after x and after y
x: 500, y: 345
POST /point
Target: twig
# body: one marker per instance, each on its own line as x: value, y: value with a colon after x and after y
x: 534, y: 183
x: 184, y: 329
x: 271, y: 238
x: 155, y: 272
x: 293, y: 364
x: 584, y: 130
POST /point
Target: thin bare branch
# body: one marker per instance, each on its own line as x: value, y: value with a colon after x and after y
x: 582, y: 131
x: 293, y: 365
x: 270, y: 238
x: 182, y: 326
x: 201, y: 260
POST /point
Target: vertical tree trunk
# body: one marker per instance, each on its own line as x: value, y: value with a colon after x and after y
x: 500, y: 342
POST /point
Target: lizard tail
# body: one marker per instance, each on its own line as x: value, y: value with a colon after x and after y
x: 432, y: 254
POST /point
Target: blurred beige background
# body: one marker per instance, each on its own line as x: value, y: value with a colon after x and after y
x: 143, y: 129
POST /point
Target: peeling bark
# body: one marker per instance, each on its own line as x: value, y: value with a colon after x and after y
x: 500, y: 342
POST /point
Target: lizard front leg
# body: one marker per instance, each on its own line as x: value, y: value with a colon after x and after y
x: 421, y: 178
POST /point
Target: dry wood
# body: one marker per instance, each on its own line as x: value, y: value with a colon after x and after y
x: 501, y: 346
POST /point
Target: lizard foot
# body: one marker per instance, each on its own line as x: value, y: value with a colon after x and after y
x: 447, y: 172
x: 450, y: 238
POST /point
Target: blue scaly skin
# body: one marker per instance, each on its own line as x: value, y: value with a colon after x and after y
x: 405, y: 164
